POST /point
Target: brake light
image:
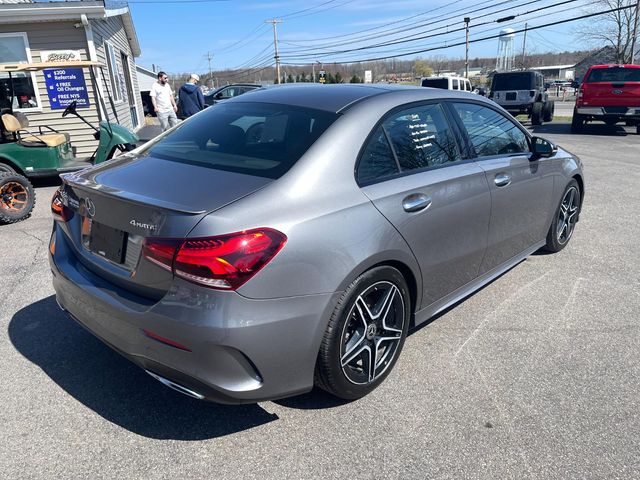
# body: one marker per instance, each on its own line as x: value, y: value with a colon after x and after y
x: 58, y: 209
x: 223, y: 262
x: 581, y: 91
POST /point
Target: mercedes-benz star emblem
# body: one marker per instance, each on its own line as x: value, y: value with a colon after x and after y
x: 90, y: 207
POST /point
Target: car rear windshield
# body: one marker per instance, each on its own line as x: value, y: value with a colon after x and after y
x: 614, y: 74
x: 252, y: 138
x: 436, y: 83
x: 513, y: 81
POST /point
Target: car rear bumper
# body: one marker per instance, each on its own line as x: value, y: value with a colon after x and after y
x: 612, y: 112
x: 236, y: 350
x: 516, y: 108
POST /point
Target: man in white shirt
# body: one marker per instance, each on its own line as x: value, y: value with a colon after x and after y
x: 163, y: 102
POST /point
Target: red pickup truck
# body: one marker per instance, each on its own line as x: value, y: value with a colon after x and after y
x: 609, y: 93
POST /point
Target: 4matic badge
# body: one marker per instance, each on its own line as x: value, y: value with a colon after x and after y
x: 146, y: 226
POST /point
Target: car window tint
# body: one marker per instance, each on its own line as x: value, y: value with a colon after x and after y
x: 490, y: 132
x: 454, y: 83
x: 256, y: 139
x: 614, y: 74
x: 377, y: 161
x: 421, y: 137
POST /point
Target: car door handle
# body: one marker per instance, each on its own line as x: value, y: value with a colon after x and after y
x: 416, y: 202
x: 502, y: 180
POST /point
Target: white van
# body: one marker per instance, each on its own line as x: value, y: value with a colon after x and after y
x: 448, y: 83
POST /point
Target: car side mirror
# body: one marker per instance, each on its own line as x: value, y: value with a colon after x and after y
x: 219, y: 95
x: 542, y: 148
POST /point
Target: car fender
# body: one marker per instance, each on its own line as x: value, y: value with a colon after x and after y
x: 110, y: 136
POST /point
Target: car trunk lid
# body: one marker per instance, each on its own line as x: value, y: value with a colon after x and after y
x: 118, y: 204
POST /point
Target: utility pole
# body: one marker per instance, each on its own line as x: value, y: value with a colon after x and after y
x: 209, y: 57
x: 635, y: 34
x: 524, y: 46
x: 466, y: 55
x: 274, y: 22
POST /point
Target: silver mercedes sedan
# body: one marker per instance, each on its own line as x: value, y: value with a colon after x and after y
x: 294, y: 235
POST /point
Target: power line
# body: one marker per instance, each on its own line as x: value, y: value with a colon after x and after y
x: 439, y: 44
x: 413, y: 38
x: 415, y: 52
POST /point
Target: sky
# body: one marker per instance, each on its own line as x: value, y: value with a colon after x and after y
x: 178, y: 35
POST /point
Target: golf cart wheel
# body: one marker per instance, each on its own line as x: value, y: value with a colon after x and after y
x: 4, y: 168
x: 365, y: 334
x: 536, y: 113
x: 548, y: 111
x: 17, y: 198
x: 577, y: 122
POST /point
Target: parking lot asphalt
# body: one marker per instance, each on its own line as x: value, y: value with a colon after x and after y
x: 535, y: 376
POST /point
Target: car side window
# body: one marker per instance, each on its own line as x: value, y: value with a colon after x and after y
x: 421, y: 137
x: 377, y: 161
x: 490, y: 132
x: 454, y: 84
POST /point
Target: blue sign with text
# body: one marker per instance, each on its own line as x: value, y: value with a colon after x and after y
x: 64, y: 85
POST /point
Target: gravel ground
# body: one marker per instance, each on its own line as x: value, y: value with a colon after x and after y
x: 534, y: 376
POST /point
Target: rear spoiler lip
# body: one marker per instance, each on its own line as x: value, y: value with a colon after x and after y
x: 86, y: 185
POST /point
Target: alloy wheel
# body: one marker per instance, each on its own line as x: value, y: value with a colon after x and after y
x: 372, y: 333
x: 567, y: 215
x: 13, y: 197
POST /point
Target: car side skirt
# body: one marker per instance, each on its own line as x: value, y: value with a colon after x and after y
x: 426, y: 313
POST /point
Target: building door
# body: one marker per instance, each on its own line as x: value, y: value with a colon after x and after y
x: 130, y: 92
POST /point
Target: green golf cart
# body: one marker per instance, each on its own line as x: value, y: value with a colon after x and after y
x: 27, y: 152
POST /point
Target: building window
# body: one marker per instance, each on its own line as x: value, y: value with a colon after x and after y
x: 14, y: 48
x: 115, y: 74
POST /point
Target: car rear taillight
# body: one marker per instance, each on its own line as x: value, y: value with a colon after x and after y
x: 581, y: 90
x: 224, y: 261
x: 58, y: 209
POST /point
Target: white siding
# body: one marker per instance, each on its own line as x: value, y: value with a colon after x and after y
x: 65, y: 36
x: 111, y: 30
x: 59, y: 36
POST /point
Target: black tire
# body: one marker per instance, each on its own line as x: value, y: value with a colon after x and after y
x: 536, y: 113
x: 17, y: 198
x: 349, y: 336
x: 638, y: 129
x: 548, y: 111
x: 564, y: 218
x: 5, y: 168
x: 577, y: 123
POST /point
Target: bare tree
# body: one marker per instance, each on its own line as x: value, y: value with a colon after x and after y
x: 612, y: 28
x: 438, y: 63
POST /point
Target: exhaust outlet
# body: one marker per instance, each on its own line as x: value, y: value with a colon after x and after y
x: 174, y: 386
x: 60, y: 305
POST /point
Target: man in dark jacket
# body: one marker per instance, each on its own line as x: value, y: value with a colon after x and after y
x: 190, y: 97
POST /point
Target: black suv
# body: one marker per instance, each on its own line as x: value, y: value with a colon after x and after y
x: 522, y: 92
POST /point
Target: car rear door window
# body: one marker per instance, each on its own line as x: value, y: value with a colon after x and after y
x: 490, y: 132
x: 408, y: 140
x: 421, y: 137
x: 377, y: 161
